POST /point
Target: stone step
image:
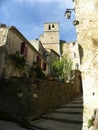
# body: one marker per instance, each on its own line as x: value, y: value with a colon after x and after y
x: 68, y: 117
x: 78, y: 98
x: 43, y: 124
x: 63, y: 117
x: 76, y: 102
x: 73, y: 105
x: 70, y: 110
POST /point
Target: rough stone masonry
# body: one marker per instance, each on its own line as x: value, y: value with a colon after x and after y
x: 87, y: 36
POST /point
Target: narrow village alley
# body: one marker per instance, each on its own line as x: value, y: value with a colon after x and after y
x: 68, y: 117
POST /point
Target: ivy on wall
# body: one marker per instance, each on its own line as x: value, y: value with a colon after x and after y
x: 18, y: 60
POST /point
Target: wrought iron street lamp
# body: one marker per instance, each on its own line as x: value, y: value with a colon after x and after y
x: 68, y: 13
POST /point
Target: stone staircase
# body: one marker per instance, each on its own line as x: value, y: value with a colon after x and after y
x: 68, y: 117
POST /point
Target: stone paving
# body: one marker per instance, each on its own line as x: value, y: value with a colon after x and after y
x: 7, y: 125
x: 68, y: 117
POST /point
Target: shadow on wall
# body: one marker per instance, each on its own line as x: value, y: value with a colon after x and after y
x: 81, y: 87
x: 78, y: 80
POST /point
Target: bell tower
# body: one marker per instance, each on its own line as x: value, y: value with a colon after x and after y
x: 51, y: 36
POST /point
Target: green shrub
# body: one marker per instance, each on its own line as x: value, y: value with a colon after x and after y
x: 90, y: 123
x: 19, y: 61
x: 37, y: 69
x: 62, y: 67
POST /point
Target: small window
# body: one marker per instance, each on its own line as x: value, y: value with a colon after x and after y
x: 52, y: 25
x: 73, y: 43
x: 74, y: 55
x: 76, y: 66
x: 49, y: 27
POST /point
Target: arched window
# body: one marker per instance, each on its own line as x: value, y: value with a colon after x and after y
x: 52, y: 25
x: 49, y: 27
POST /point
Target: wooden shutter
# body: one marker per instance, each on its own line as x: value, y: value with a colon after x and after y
x: 22, y: 49
x: 44, y: 66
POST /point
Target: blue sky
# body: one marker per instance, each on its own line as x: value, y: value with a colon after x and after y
x: 29, y: 16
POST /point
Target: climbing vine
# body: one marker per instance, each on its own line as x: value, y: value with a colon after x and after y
x: 18, y: 60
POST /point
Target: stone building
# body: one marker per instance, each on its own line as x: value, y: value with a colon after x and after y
x: 49, y: 54
x: 87, y: 36
x: 50, y: 37
x: 50, y: 40
x: 13, y: 42
x: 39, y: 47
x: 72, y: 51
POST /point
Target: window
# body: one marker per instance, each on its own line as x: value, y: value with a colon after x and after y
x: 44, y: 66
x: 49, y: 27
x: 52, y: 25
x: 74, y: 55
x: 22, y: 48
x: 73, y: 43
x: 76, y: 66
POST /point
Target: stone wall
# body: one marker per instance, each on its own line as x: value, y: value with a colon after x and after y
x: 3, y: 35
x: 22, y: 100
x: 87, y: 36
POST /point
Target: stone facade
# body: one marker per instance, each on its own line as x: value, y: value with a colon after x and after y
x: 49, y: 54
x: 72, y: 50
x: 39, y: 47
x: 87, y: 36
x: 50, y: 38
x: 11, y: 42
